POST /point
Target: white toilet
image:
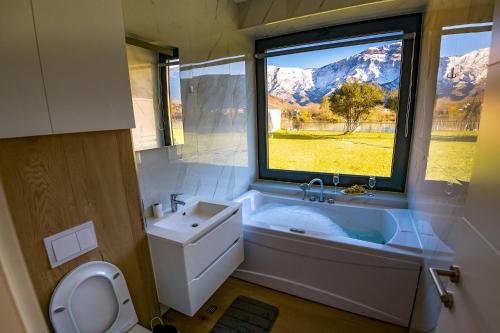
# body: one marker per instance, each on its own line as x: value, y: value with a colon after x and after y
x: 94, y: 298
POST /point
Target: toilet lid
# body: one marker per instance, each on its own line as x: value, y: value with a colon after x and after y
x: 93, y: 298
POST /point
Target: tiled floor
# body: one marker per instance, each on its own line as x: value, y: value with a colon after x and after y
x: 296, y: 314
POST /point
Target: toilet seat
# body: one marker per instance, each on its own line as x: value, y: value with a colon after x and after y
x: 93, y: 298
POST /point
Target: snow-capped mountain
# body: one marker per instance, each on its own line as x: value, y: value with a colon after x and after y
x: 291, y: 84
x: 461, y: 76
x: 380, y: 65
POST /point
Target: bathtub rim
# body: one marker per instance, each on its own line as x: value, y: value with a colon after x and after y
x: 382, y: 198
x: 392, y: 248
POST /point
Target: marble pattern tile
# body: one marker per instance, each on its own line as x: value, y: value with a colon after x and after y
x: 217, y: 159
x: 265, y: 18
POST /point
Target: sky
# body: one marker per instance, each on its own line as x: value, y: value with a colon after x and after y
x: 458, y: 44
x: 316, y: 59
x: 175, y: 84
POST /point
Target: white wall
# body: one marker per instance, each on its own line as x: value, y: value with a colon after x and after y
x: 218, y: 159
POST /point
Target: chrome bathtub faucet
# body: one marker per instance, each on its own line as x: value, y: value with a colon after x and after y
x: 317, y: 180
x: 174, y: 202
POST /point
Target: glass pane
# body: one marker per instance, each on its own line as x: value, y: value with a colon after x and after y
x: 175, y: 104
x: 334, y: 110
x: 459, y: 96
x: 143, y: 73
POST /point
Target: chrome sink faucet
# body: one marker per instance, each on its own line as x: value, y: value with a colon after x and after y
x: 174, y: 202
x: 317, y: 180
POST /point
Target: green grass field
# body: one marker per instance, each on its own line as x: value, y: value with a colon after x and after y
x: 450, y: 154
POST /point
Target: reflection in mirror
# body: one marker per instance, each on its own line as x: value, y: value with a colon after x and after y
x: 155, y: 87
x: 173, y: 97
x: 460, y: 88
x: 174, y: 101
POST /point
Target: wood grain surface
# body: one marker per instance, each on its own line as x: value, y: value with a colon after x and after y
x: 296, y: 315
x: 55, y: 182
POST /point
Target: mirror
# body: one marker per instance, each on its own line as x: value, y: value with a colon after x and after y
x: 154, y: 73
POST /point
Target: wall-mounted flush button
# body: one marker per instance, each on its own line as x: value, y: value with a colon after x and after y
x: 70, y: 243
x: 85, y: 238
x: 65, y: 247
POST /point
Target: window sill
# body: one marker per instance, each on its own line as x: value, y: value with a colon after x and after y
x: 381, y: 198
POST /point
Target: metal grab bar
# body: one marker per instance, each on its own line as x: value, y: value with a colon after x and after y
x: 454, y: 274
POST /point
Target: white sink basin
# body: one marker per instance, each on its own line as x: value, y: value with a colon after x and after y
x: 192, y: 221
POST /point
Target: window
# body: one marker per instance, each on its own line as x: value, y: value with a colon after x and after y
x: 171, y: 75
x: 156, y: 96
x: 460, y: 86
x: 338, y: 100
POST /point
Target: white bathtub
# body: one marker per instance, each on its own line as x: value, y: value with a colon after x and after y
x: 372, y: 271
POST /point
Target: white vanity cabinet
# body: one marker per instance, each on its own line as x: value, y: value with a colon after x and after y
x: 64, y: 67
x: 187, y: 274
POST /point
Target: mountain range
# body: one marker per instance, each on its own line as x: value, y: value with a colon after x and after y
x: 380, y: 65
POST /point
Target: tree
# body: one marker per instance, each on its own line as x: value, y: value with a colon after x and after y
x: 472, y: 111
x: 354, y: 100
x: 392, y: 100
x: 304, y: 116
x: 325, y: 104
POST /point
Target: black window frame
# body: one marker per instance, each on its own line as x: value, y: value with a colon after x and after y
x: 408, y: 24
x: 164, y: 90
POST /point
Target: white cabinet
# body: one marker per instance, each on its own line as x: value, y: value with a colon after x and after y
x: 188, y: 274
x: 63, y: 67
x: 23, y: 108
x: 84, y: 62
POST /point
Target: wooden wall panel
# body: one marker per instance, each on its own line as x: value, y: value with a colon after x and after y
x: 55, y: 182
x: 9, y: 313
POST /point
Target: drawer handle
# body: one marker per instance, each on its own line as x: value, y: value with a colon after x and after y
x: 217, y: 259
x: 194, y: 242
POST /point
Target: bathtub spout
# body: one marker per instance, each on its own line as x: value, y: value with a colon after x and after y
x: 317, y: 180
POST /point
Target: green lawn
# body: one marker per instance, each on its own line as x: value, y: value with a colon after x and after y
x: 450, y: 155
x: 178, y: 134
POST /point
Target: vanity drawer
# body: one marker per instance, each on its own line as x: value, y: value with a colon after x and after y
x: 204, y: 285
x: 203, y: 252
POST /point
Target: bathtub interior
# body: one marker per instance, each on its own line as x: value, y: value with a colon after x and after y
x: 369, y: 224
x: 297, y: 219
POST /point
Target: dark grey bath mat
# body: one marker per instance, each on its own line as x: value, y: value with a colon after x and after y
x: 247, y: 315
